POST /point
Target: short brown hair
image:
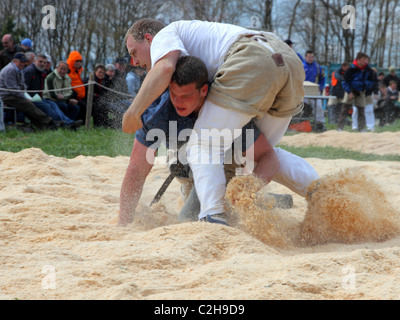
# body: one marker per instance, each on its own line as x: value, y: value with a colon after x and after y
x: 143, y: 26
x: 190, y: 69
x: 361, y: 55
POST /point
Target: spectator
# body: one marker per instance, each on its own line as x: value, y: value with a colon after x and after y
x: 316, y: 74
x: 290, y: 43
x: 10, y: 49
x: 371, y: 86
x: 12, y: 77
x: 120, y: 84
x: 110, y: 74
x: 354, y: 86
x: 26, y: 45
x: 381, y: 76
x: 380, y: 111
x: 49, y: 65
x: 337, y: 91
x: 392, y: 77
x: 99, y: 110
x: 119, y: 99
x: 392, y: 96
x: 134, y: 79
x: 74, y: 62
x: 59, y: 79
x: 106, y: 112
x: 30, y: 56
x: 35, y: 81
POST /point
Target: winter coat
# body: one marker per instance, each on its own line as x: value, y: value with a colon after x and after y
x: 353, y: 80
x: 75, y: 74
x: 54, y: 81
x: 34, y: 79
x: 11, y: 78
x: 336, y: 84
x: 314, y: 73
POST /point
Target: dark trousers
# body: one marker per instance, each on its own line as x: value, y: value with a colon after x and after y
x: 33, y: 113
x: 344, y: 112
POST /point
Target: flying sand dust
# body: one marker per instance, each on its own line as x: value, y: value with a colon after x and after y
x: 345, y: 207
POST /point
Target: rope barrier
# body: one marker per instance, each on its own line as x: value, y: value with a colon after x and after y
x: 79, y: 86
x: 109, y: 89
x: 53, y: 90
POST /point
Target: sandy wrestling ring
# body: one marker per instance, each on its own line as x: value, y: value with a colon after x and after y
x: 59, y: 238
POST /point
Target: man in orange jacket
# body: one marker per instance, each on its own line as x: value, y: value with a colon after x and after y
x: 74, y: 62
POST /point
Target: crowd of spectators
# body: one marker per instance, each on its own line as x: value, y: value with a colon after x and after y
x: 363, y: 96
x: 52, y: 96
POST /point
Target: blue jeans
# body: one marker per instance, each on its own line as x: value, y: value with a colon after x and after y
x: 71, y: 111
x: 52, y: 110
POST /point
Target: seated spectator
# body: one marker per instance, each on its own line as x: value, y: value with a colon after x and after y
x: 392, y: 96
x: 110, y: 74
x: 34, y: 80
x: 30, y: 56
x: 75, y: 62
x: 99, y: 111
x: 26, y: 45
x: 134, y: 79
x: 49, y: 65
x: 380, y: 111
x: 10, y: 49
x: 119, y: 81
x: 392, y: 77
x: 60, y: 81
x: 12, y: 77
x: 105, y: 111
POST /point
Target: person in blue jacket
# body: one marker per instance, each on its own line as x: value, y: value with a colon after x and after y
x: 355, y: 83
x: 315, y: 74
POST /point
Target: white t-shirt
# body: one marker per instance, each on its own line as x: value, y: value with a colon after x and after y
x: 208, y: 41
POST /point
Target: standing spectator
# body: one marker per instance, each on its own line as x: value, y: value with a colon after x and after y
x: 10, y: 49
x: 371, y: 86
x: 75, y: 62
x: 35, y: 81
x: 316, y: 74
x: 59, y: 79
x: 354, y: 86
x: 392, y: 77
x: 337, y: 91
x: 290, y: 43
x: 26, y: 45
x: 12, y: 77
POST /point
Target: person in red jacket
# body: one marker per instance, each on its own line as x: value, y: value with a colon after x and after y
x: 75, y: 62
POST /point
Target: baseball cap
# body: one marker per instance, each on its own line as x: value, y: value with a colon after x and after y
x: 20, y: 56
x: 289, y: 42
x: 392, y: 68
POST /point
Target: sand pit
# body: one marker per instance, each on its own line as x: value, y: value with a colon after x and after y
x: 59, y: 238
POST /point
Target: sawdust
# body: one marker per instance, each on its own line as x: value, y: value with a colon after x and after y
x: 59, y: 238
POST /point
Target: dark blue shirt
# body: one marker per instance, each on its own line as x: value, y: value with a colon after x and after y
x: 161, y: 115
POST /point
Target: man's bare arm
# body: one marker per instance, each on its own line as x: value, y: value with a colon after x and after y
x: 135, y: 177
x: 155, y: 83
